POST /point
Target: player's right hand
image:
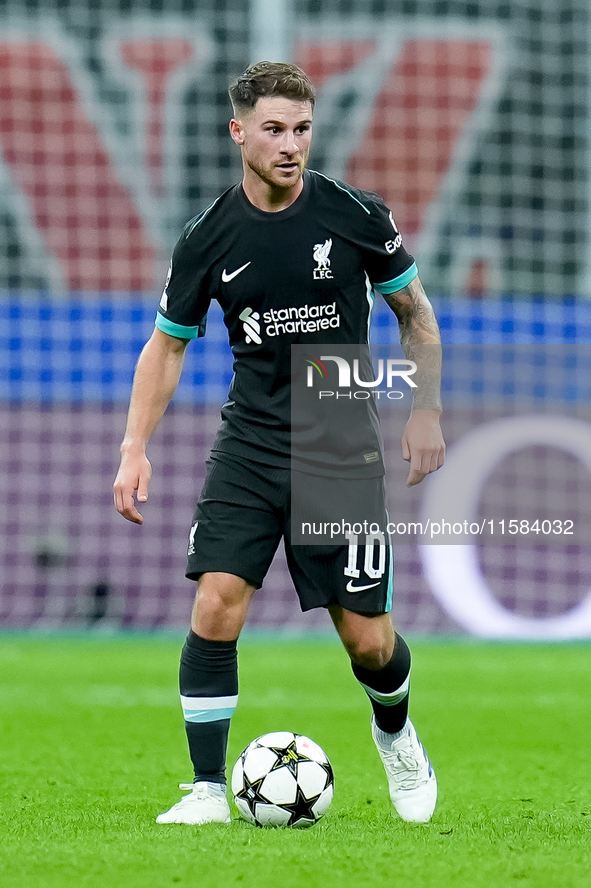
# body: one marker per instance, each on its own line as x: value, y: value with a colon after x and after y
x: 132, y: 481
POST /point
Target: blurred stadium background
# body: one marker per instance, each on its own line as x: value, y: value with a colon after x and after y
x: 470, y: 118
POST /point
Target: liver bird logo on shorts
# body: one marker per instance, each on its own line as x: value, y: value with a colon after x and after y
x: 321, y: 252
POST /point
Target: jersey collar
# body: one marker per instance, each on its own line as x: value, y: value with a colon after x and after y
x: 296, y: 207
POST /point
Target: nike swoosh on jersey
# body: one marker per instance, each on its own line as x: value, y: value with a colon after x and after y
x: 352, y: 588
x: 230, y: 277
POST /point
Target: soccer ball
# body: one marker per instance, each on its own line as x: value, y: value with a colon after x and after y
x: 282, y: 779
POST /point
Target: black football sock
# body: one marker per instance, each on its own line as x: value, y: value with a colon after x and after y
x: 208, y: 683
x: 388, y: 688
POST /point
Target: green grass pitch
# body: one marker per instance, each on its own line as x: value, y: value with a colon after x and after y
x: 93, y: 747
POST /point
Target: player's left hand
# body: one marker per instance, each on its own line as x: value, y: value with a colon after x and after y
x: 422, y: 445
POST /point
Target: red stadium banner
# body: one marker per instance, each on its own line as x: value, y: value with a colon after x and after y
x: 98, y: 200
x: 94, y: 197
x: 156, y: 60
x: 56, y: 155
x: 426, y: 92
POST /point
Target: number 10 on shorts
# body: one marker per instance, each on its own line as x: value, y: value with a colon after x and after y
x: 372, y: 540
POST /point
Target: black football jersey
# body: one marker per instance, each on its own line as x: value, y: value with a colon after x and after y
x: 305, y: 275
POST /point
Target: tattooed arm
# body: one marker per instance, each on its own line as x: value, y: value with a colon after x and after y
x: 422, y: 443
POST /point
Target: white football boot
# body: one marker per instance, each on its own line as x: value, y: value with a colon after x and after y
x: 411, y: 779
x: 206, y: 803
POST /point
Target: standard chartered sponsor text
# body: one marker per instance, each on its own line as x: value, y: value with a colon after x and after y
x: 305, y: 319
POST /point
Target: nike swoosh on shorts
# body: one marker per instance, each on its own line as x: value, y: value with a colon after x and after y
x: 229, y: 277
x: 352, y: 588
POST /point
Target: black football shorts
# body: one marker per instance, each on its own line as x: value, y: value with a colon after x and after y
x: 243, y: 512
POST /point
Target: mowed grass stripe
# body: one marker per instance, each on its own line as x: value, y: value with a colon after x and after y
x: 93, y: 747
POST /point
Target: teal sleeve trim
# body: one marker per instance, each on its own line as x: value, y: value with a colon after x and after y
x: 398, y: 282
x: 177, y: 330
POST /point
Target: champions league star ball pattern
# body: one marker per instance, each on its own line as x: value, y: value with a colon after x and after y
x: 282, y: 779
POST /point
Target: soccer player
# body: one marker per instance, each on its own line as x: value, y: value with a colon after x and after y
x: 288, y: 239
